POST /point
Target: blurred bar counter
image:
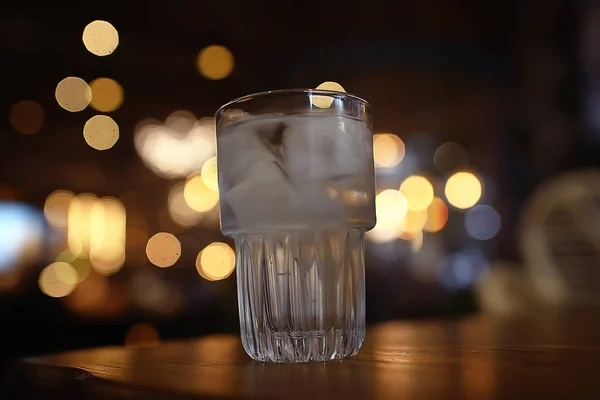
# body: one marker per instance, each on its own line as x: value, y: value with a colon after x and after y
x: 552, y: 354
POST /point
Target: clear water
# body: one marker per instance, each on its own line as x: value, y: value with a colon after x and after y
x: 300, y: 172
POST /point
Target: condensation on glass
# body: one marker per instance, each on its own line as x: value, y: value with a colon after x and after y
x: 297, y: 192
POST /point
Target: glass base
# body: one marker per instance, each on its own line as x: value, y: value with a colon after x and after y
x: 301, y: 294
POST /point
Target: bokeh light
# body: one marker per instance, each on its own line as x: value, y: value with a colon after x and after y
x: 482, y: 222
x: 9, y: 281
x: 198, y: 196
x: 463, y: 190
x: 418, y: 192
x: 215, y: 62
x: 463, y: 269
x: 450, y: 156
x: 391, y: 208
x: 412, y: 224
x: 141, y: 335
x: 209, y: 174
x: 94, y: 297
x: 97, y: 230
x: 58, y: 279
x: 66, y: 256
x: 163, y: 249
x: 326, y: 101
x: 26, y: 117
x: 391, y: 205
x: 21, y: 235
x: 216, y: 261
x: 73, y: 94
x: 416, y: 243
x: 81, y: 265
x: 65, y: 273
x: 136, y: 237
x: 108, y: 235
x: 101, y: 132
x: 79, y: 224
x: 179, y: 211
x: 388, y: 150
x: 100, y: 38
x: 330, y: 85
x: 177, y: 148
x: 181, y: 122
x: 56, y: 208
x: 107, y: 94
x: 437, y: 216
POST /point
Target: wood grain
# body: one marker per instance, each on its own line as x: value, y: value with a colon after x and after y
x: 557, y: 356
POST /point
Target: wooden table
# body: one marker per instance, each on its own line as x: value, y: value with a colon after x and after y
x: 556, y: 356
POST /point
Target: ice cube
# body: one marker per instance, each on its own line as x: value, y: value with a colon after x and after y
x: 267, y: 198
x: 242, y: 146
x: 324, y: 147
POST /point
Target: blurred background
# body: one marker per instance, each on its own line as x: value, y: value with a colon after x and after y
x: 487, y: 120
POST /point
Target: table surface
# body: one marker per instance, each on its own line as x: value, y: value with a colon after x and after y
x: 556, y: 356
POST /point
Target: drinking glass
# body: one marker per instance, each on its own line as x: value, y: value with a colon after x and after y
x: 296, y: 182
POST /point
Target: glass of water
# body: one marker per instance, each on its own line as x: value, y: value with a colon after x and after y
x: 296, y: 181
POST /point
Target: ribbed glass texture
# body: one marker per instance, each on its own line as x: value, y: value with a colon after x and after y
x: 301, y: 294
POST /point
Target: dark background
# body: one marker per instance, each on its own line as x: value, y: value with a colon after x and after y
x: 512, y: 81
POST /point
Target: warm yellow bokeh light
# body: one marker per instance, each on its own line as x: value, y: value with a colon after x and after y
x: 326, y: 101
x: 81, y: 265
x: 209, y: 174
x: 179, y: 211
x: 107, y: 94
x: 381, y: 234
x: 198, y: 196
x: 391, y: 206
x: 73, y: 94
x: 330, y: 85
x: 215, y: 62
x: 65, y: 273
x: 56, y: 208
x: 163, y: 249
x: 418, y: 192
x: 100, y: 38
x: 97, y: 231
x: 412, y: 224
x: 66, y: 256
x: 437, y: 215
x: 177, y: 148
x: 388, y: 150
x: 58, y: 279
x: 26, y: 117
x: 79, y: 224
x: 216, y: 261
x: 391, y: 209
x: 101, y: 132
x: 463, y: 190
x: 108, y: 235
x: 141, y: 335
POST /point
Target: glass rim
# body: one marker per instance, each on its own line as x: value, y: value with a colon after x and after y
x: 289, y: 91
